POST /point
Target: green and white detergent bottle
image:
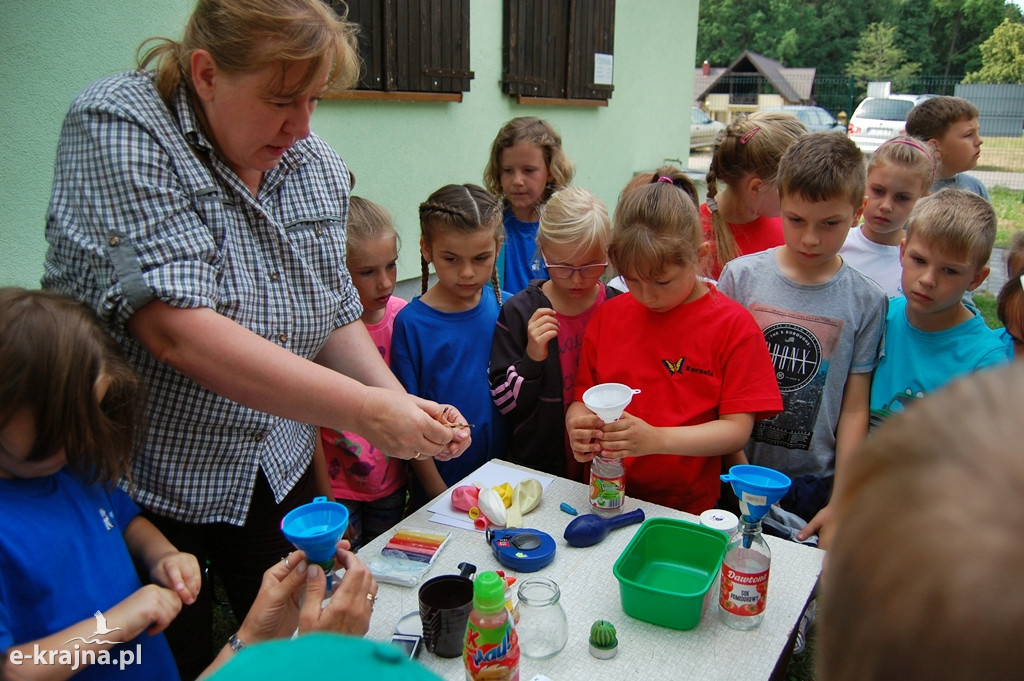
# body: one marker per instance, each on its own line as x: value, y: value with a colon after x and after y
x: 491, y: 650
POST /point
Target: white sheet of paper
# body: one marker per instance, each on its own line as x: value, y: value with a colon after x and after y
x: 491, y: 474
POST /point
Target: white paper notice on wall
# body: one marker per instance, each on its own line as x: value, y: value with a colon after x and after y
x: 602, y: 69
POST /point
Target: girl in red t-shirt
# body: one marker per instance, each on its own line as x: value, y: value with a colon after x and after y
x: 698, y: 358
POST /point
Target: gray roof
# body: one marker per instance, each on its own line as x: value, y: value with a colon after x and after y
x: 793, y: 84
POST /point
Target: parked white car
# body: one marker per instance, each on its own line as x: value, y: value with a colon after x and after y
x: 877, y: 119
x: 703, y: 129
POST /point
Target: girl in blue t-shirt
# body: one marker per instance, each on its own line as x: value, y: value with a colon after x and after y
x: 442, y: 339
x: 68, y: 586
x: 526, y: 165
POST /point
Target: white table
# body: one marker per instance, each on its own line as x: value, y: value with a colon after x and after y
x: 590, y: 592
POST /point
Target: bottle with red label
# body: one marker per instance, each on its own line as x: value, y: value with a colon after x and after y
x: 492, y: 646
x: 607, y: 486
x: 744, y: 584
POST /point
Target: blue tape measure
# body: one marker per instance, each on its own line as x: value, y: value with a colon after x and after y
x: 521, y: 548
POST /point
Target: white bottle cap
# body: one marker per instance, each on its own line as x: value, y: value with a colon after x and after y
x: 717, y: 519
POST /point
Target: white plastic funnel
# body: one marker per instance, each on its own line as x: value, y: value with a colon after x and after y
x: 608, y: 400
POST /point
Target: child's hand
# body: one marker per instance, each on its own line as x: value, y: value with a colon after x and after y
x: 149, y: 609
x: 180, y: 573
x: 542, y: 327
x: 629, y: 436
x: 584, y: 428
x: 820, y: 523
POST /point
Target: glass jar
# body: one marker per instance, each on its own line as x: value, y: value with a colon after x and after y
x: 542, y: 627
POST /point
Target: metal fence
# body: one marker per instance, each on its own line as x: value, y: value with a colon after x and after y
x: 1001, y: 108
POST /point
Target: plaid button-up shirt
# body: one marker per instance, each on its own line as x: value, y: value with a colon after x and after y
x: 143, y: 209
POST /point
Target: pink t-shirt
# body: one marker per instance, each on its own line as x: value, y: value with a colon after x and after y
x: 358, y: 470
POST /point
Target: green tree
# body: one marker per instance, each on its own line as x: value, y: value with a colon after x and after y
x: 958, y: 29
x: 913, y: 19
x: 877, y: 57
x: 1002, y: 56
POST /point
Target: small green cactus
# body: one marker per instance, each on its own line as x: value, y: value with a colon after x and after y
x: 602, y: 635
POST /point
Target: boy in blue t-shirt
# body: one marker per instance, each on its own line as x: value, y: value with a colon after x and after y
x: 931, y: 336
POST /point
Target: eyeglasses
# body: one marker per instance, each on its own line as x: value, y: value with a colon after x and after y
x: 565, y: 271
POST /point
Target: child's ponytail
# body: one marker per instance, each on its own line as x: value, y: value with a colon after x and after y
x: 750, y: 145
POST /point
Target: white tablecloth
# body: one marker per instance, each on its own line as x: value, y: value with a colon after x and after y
x: 711, y: 651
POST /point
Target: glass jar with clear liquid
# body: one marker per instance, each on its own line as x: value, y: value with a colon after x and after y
x: 541, y: 623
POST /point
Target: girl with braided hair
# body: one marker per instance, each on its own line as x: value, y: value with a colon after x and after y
x: 742, y: 216
x: 442, y: 339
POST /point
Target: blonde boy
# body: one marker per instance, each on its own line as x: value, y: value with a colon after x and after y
x: 922, y: 581
x: 822, y: 319
x: 950, y: 125
x: 931, y: 336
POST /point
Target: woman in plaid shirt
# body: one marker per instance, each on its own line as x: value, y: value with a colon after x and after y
x: 194, y: 210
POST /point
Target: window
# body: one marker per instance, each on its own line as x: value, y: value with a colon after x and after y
x: 559, y: 49
x: 412, y: 46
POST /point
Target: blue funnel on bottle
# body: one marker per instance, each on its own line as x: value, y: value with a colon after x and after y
x: 757, y: 488
x: 316, y: 528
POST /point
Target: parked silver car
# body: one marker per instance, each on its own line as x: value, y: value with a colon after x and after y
x: 877, y: 119
x: 703, y: 129
x: 814, y: 118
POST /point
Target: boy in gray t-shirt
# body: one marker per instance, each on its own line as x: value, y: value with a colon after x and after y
x: 823, y: 320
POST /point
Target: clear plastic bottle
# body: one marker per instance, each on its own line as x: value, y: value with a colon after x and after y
x: 607, y: 486
x: 491, y: 650
x: 540, y: 620
x: 744, y: 583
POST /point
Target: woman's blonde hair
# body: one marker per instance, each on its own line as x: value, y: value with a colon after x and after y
x: 465, y: 209
x: 535, y: 131
x: 246, y: 35
x: 656, y: 224
x: 574, y: 216
x: 750, y: 145
x: 52, y: 354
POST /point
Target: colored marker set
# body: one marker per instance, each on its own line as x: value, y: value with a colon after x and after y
x: 415, y: 545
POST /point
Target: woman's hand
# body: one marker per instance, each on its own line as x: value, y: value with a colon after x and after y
x: 585, y: 435
x: 542, y: 327
x: 180, y: 573
x: 277, y: 612
x: 351, y: 604
x: 452, y: 419
x: 406, y: 427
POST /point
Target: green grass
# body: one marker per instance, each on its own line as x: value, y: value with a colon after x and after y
x: 1009, y: 207
x: 1002, y: 154
x: 986, y: 304
x: 801, y: 667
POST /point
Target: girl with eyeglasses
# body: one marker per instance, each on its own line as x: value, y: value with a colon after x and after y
x: 540, y: 331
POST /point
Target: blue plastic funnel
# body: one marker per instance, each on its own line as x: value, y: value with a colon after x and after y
x: 316, y: 528
x: 757, y: 488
